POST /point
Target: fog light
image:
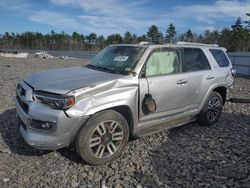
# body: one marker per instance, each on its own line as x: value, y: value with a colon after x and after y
x: 43, y: 125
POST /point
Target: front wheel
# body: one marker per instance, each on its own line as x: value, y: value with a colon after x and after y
x: 211, y: 110
x: 103, y: 138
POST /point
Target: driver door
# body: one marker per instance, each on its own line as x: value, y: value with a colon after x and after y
x: 162, y: 78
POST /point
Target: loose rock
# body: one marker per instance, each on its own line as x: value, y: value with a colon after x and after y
x: 188, y: 156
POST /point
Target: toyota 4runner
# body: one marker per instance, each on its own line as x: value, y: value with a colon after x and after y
x: 126, y: 91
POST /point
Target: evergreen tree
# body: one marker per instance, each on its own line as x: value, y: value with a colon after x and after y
x: 225, y: 39
x: 134, y: 41
x: 248, y: 21
x: 141, y: 38
x: 90, y: 40
x: 211, y: 37
x: 154, y: 35
x: 114, y: 39
x: 75, y: 37
x: 188, y: 36
x: 128, y: 38
x: 170, y: 33
x: 236, y: 38
x: 101, y: 42
x: 240, y: 37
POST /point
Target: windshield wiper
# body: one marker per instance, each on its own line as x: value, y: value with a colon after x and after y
x: 103, y: 68
x: 91, y: 66
x: 111, y: 70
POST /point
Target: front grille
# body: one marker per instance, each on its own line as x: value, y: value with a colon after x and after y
x: 23, y: 105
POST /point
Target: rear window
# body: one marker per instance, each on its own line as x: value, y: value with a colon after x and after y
x: 220, y: 57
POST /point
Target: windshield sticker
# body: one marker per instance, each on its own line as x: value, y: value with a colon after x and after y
x: 121, y: 58
x: 127, y: 69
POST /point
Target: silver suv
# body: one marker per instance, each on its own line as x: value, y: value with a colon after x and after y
x: 126, y: 91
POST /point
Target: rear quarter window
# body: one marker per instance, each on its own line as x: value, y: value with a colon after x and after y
x: 220, y: 57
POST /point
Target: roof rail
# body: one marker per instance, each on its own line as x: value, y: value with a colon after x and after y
x: 145, y: 43
x: 197, y: 44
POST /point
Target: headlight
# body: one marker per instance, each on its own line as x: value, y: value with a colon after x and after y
x: 54, y: 101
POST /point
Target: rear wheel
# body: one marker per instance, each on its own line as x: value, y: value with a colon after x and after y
x: 103, y: 138
x: 211, y: 110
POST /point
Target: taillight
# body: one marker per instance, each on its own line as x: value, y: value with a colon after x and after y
x: 233, y: 72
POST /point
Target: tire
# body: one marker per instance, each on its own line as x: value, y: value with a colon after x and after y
x: 103, y: 138
x: 211, y: 111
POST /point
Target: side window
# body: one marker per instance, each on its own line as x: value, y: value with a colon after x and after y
x: 163, y: 61
x: 220, y: 57
x: 194, y: 60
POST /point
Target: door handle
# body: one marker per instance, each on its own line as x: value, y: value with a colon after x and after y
x: 209, y: 77
x: 181, y: 82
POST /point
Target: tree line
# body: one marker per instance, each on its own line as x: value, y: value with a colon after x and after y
x: 235, y: 38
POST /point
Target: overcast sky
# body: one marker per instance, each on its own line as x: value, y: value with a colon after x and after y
x: 117, y: 16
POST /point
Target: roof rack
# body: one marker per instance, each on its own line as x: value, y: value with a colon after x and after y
x: 145, y: 43
x: 197, y: 44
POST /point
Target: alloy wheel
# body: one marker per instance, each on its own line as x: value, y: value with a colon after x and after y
x: 106, y: 139
x: 214, y: 109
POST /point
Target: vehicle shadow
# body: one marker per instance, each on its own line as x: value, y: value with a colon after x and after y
x: 70, y: 153
x: 200, y: 156
x: 12, y: 140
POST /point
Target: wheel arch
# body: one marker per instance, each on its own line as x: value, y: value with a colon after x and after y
x: 222, y: 91
x: 126, y: 112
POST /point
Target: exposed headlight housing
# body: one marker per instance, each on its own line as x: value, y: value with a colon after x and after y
x: 43, y: 125
x: 54, y: 101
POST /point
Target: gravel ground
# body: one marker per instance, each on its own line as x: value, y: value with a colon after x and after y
x: 188, y: 156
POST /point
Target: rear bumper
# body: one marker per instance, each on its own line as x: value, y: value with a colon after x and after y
x: 61, y: 136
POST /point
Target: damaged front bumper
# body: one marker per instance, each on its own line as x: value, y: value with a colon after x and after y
x: 45, y: 128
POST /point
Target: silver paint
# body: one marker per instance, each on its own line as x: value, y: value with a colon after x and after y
x: 96, y: 91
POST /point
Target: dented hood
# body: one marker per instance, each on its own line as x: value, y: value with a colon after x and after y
x: 63, y: 80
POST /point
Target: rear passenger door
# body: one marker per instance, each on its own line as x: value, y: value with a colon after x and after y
x: 199, y: 76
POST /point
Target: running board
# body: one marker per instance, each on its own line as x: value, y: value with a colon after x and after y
x: 157, y: 127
